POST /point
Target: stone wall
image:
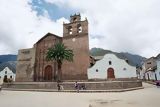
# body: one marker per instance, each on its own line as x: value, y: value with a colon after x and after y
x: 42, y: 46
x: 103, y: 85
x: 79, y: 43
x: 25, y: 65
x: 76, y: 70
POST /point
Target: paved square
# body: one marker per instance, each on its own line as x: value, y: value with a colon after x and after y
x: 148, y: 97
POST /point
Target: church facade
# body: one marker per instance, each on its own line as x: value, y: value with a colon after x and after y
x: 33, y: 66
x: 110, y: 67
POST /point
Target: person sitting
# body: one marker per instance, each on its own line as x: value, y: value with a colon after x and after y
x: 83, y: 87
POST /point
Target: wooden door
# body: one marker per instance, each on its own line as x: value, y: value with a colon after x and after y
x: 48, y: 73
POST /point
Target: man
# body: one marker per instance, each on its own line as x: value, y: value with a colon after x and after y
x: 58, y: 86
x: 1, y: 82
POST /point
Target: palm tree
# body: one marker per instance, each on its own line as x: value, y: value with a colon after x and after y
x: 59, y: 53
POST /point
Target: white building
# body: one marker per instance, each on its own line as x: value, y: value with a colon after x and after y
x: 150, y: 75
x: 111, y: 67
x: 157, y: 71
x: 142, y: 72
x: 8, y: 70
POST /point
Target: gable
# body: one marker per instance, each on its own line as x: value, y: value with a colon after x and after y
x: 10, y: 65
x: 48, y: 36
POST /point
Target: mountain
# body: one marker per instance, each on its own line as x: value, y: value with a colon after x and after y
x: 6, y: 58
x: 134, y: 60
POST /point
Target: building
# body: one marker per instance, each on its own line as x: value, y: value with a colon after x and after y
x: 157, y: 71
x: 32, y: 64
x: 112, y: 67
x: 151, y: 69
x: 148, y: 68
x: 8, y: 70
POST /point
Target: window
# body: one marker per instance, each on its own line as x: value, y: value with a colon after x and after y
x: 79, y: 28
x: 127, y: 61
x: 110, y: 63
x: 148, y: 62
x: 70, y: 30
x: 5, y: 72
x: 11, y: 76
x: 75, y: 19
x: 96, y: 70
x: 125, y: 69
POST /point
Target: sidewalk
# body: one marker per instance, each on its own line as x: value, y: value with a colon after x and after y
x: 150, y: 82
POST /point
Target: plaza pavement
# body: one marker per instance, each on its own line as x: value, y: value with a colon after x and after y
x: 147, y: 97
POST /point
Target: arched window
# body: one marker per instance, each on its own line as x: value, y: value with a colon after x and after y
x: 96, y: 70
x: 110, y: 63
x: 79, y: 28
x: 75, y: 19
x: 70, y: 30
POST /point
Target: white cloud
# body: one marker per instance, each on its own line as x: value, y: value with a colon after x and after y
x: 125, y: 25
x: 20, y: 27
x: 118, y: 25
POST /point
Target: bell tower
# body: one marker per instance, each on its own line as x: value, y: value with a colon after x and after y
x: 75, y: 27
x: 75, y: 37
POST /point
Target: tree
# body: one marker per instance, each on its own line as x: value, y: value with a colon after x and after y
x: 59, y: 53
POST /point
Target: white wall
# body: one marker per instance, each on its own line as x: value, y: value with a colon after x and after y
x: 141, y: 76
x: 150, y: 75
x: 158, y: 70
x: 117, y: 64
x: 8, y: 72
x: 142, y: 72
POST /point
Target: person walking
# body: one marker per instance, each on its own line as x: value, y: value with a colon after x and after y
x: 76, y: 85
x: 58, y: 86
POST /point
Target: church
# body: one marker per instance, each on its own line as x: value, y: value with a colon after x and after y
x: 111, y: 67
x: 33, y: 66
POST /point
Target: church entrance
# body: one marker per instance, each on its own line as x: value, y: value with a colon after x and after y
x: 110, y: 73
x: 48, y: 73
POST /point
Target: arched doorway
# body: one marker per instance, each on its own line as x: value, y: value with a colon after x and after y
x: 5, y: 79
x: 110, y: 73
x: 48, y: 73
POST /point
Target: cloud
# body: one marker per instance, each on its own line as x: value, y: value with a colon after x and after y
x: 126, y: 25
x: 20, y: 27
x: 118, y: 25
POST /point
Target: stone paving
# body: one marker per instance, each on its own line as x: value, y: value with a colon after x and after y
x: 147, y: 97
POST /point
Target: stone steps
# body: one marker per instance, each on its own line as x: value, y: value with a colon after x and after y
x: 103, y: 85
x: 80, y: 91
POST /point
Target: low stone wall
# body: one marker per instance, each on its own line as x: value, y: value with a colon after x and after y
x: 103, y: 85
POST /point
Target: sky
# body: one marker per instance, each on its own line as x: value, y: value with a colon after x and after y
x: 119, y: 25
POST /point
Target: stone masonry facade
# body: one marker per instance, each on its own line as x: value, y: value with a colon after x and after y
x: 33, y: 66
